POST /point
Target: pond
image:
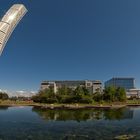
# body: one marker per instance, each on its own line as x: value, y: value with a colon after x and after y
x: 33, y: 123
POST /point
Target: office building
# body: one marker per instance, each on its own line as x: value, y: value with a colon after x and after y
x: 133, y: 93
x: 91, y: 85
x: 126, y: 83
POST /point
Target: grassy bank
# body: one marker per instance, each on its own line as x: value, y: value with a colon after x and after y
x: 133, y: 102
x: 51, y: 106
x: 16, y: 103
x: 71, y: 106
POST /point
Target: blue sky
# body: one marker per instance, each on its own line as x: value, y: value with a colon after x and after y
x: 71, y: 39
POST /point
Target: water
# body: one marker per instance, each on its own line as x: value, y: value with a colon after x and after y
x: 32, y: 123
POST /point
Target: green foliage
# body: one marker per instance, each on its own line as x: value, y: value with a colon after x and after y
x: 65, y: 91
x: 121, y: 94
x: 79, y: 91
x: 45, y: 96
x: 79, y: 95
x: 97, y: 97
x: 69, y: 99
x: 114, y: 94
x: 109, y: 93
x: 86, y: 100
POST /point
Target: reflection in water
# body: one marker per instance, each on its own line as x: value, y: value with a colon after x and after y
x: 84, y: 114
x: 4, y: 107
x: 26, y: 123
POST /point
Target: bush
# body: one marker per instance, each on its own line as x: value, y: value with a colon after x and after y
x: 97, y: 97
x: 79, y: 95
x: 86, y: 101
x: 4, y: 96
x: 69, y: 99
x: 50, y: 100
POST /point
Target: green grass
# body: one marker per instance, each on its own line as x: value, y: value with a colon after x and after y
x: 134, y: 101
x: 102, y: 103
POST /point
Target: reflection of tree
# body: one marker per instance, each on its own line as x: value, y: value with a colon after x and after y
x: 113, y: 114
x: 63, y: 115
x: 4, y: 107
x: 118, y: 114
x: 84, y: 114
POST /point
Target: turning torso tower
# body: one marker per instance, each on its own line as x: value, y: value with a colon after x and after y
x: 9, y: 22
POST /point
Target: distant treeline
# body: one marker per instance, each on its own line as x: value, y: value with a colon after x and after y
x: 80, y: 95
x: 4, y: 96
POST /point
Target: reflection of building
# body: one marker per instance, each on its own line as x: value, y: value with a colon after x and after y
x: 92, y: 85
x: 126, y: 83
x: 9, y: 22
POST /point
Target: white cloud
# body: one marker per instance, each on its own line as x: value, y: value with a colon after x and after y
x: 19, y: 93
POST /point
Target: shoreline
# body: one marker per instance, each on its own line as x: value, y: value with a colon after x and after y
x: 74, y: 107
x: 70, y: 106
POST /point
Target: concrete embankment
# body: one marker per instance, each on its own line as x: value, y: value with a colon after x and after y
x: 79, y: 106
x: 72, y: 106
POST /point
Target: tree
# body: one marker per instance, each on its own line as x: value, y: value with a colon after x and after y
x: 114, y: 94
x: 4, y: 96
x: 86, y: 91
x: 65, y: 91
x: 109, y: 93
x: 45, y: 96
x: 79, y: 91
x: 121, y: 94
x: 97, y: 96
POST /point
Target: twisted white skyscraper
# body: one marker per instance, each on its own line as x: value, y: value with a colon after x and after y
x: 9, y: 22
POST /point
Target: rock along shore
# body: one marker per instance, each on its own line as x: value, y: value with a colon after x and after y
x: 72, y: 106
x: 77, y: 106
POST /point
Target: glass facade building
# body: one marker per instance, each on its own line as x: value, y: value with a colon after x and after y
x: 126, y: 83
x: 9, y: 22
